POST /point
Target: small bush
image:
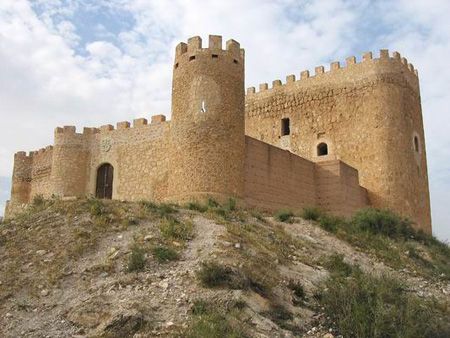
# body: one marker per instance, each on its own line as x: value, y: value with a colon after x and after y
x: 213, y: 325
x: 200, y: 307
x: 196, y: 206
x: 164, y: 254
x: 212, y: 203
x: 311, y: 213
x: 367, y: 306
x: 212, y: 274
x: 171, y: 228
x: 330, y: 223
x: 136, y: 261
x: 96, y: 207
x: 298, y: 289
x: 161, y: 210
x: 336, y: 265
x: 383, y: 222
x: 230, y: 205
x: 284, y: 216
x: 38, y: 200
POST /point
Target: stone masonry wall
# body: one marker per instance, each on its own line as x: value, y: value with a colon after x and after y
x: 368, y: 113
x: 337, y: 188
x: 278, y: 179
x: 207, y: 145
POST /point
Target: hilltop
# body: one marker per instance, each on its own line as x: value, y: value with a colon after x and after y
x: 92, y: 268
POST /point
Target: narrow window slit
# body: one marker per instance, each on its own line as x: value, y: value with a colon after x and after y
x: 285, y: 127
x: 235, y: 61
x: 192, y: 58
x: 176, y: 65
x: 215, y: 56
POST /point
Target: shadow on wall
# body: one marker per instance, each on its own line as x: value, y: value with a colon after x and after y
x: 5, y: 192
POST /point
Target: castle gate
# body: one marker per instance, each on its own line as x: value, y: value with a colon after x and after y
x: 105, y: 174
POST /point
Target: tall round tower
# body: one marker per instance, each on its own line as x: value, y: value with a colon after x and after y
x: 207, y: 140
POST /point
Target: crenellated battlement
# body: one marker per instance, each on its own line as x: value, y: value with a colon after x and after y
x: 33, y: 154
x: 385, y: 61
x: 88, y: 131
x: 193, y: 49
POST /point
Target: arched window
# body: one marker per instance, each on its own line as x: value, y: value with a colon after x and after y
x: 322, y: 149
x: 105, y: 175
x: 416, y: 144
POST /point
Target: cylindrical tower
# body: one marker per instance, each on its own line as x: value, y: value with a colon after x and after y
x: 21, y: 186
x: 207, y: 140
x: 69, y: 164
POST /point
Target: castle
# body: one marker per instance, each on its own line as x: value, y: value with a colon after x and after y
x: 340, y: 140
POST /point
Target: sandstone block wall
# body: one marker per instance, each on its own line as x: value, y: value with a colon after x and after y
x: 368, y: 113
x: 337, y: 188
x: 207, y: 144
x: 278, y: 179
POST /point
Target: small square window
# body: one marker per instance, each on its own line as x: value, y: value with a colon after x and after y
x: 214, y: 56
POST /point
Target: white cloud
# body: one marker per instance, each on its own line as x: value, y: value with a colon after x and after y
x: 51, y: 75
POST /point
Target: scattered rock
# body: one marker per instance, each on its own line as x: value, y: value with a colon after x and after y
x: 237, y: 245
x: 41, y: 252
x: 44, y: 292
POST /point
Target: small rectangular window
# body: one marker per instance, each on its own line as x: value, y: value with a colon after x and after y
x: 215, y: 56
x: 235, y: 61
x: 176, y: 65
x: 192, y: 58
x: 285, y: 127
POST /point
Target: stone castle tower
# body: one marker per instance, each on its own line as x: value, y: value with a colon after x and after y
x: 207, y: 139
x: 341, y: 140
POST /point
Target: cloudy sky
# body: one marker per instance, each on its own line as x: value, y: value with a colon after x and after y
x: 92, y: 62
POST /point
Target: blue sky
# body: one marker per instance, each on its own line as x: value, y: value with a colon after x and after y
x: 88, y: 63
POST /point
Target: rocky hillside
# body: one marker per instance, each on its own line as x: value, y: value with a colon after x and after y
x: 93, y: 268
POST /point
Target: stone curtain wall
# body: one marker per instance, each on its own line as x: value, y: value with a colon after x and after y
x: 337, y: 188
x: 367, y: 113
x: 138, y: 155
x: 277, y: 179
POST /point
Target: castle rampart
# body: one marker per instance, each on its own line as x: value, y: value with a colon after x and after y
x: 367, y: 114
x: 340, y: 139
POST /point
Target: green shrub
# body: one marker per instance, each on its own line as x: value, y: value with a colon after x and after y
x: 336, y: 265
x: 136, y: 261
x: 367, y: 306
x: 164, y: 254
x: 171, y: 228
x: 311, y: 213
x: 383, y: 222
x: 230, y: 205
x: 212, y: 274
x: 96, y: 207
x: 213, y: 325
x: 161, y: 210
x: 200, y: 307
x: 212, y: 203
x: 297, y: 288
x: 196, y: 206
x: 284, y: 216
x: 38, y: 200
x: 330, y: 223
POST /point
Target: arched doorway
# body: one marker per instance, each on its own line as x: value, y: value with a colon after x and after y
x: 105, y: 174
